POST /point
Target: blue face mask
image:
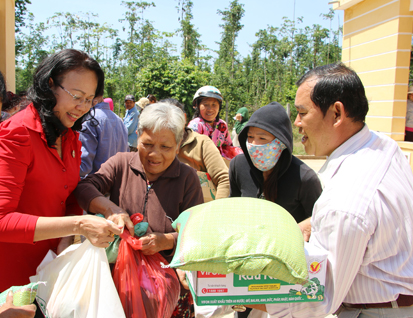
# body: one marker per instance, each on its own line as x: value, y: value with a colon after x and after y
x: 265, y: 157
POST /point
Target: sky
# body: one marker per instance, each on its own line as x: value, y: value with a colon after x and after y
x: 259, y: 14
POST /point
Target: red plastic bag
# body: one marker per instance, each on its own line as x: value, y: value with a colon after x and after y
x: 229, y: 152
x: 146, y: 290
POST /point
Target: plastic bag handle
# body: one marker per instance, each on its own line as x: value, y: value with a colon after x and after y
x: 135, y: 243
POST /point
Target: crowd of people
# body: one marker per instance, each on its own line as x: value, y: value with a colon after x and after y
x: 66, y: 156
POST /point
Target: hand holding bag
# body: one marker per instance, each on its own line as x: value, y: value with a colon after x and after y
x: 146, y: 289
x: 78, y: 284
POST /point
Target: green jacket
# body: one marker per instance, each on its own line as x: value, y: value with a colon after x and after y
x: 240, y: 124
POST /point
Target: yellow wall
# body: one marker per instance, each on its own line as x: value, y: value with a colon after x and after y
x: 376, y: 44
x: 7, y: 56
x: 377, y: 37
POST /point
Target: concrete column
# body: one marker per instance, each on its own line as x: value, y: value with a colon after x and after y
x: 7, y: 43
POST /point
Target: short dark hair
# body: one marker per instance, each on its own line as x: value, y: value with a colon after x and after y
x: 11, y: 101
x: 55, y: 67
x: 3, y: 91
x: 337, y: 82
x: 152, y: 98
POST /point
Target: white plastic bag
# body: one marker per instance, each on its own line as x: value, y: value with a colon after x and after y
x: 78, y: 284
x: 255, y: 313
x: 214, y: 312
x: 234, y: 138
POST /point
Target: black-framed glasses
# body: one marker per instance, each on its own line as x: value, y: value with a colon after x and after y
x: 77, y: 99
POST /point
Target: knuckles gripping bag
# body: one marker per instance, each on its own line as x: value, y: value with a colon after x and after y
x: 146, y: 288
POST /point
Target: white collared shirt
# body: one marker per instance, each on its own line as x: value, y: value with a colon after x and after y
x: 364, y: 221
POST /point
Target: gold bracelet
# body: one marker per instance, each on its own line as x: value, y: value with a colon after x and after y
x: 239, y: 308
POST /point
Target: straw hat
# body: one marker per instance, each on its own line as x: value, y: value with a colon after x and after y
x: 143, y: 102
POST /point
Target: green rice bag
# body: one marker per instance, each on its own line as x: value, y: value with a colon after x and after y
x: 22, y: 295
x: 245, y: 236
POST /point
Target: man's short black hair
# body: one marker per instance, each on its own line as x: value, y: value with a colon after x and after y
x: 337, y: 82
x: 3, y: 91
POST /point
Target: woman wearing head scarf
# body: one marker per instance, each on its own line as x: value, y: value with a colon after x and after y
x: 241, y: 119
x: 268, y: 169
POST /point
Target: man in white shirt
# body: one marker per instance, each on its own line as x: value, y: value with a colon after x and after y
x: 363, y: 219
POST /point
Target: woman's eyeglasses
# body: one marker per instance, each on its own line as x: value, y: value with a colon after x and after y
x: 77, y: 99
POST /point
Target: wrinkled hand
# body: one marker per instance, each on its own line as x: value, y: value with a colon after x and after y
x: 121, y: 218
x: 305, y: 227
x: 155, y: 242
x: 64, y: 243
x: 8, y: 310
x: 182, y: 278
x: 238, y: 117
x: 98, y: 230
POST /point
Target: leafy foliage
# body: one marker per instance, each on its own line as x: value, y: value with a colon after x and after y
x: 145, y: 62
x: 20, y: 13
x: 177, y: 79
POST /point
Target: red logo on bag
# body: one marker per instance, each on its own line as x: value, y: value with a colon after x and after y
x: 209, y: 275
x: 315, y: 267
x: 214, y: 290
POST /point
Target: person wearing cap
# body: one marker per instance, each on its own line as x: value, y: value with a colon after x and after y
x: 409, y: 116
x: 207, y: 103
x: 142, y: 103
x: 131, y: 120
x: 241, y: 119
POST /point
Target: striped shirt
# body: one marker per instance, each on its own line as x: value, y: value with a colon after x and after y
x: 363, y: 220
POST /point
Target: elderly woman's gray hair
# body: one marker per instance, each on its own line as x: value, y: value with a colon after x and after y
x: 158, y: 116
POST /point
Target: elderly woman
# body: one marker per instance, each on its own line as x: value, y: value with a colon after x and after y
x: 199, y: 152
x: 151, y: 181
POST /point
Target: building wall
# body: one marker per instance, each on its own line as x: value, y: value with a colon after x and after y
x: 7, y: 43
x: 376, y: 44
x: 377, y: 37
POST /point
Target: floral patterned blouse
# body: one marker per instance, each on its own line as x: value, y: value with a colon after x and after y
x: 218, y: 131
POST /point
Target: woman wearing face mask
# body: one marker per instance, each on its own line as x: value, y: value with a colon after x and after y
x: 267, y: 169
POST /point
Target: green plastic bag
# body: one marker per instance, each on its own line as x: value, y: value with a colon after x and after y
x: 113, y: 249
x: 245, y: 236
x: 22, y: 295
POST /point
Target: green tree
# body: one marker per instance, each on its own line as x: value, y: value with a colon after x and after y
x: 66, y: 25
x: 32, y: 51
x: 190, y: 36
x: 20, y: 12
x: 139, y: 46
x: 172, y: 78
x: 226, y: 63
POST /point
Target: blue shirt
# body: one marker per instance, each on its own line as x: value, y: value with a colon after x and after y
x: 131, y: 120
x: 102, y: 139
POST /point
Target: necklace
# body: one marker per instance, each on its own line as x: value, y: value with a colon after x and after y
x: 149, y: 185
